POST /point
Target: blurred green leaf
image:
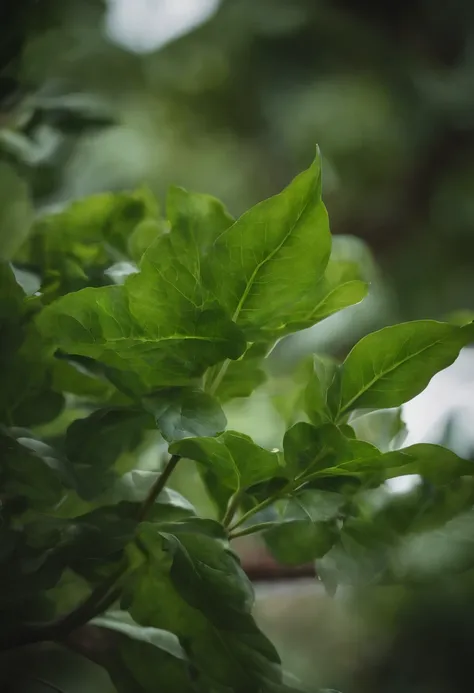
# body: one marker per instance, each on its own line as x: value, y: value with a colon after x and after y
x: 385, y: 428
x: 432, y: 462
x: 95, y: 443
x: 27, y: 475
x: 16, y: 212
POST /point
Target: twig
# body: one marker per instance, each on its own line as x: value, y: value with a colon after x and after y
x: 158, y: 487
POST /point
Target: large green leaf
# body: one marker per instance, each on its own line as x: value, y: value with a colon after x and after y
x: 232, y: 457
x: 151, y: 656
x: 185, y: 412
x: 161, y: 326
x: 192, y: 585
x: 269, y: 263
x: 389, y: 367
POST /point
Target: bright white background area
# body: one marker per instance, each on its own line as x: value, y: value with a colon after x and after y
x: 143, y: 26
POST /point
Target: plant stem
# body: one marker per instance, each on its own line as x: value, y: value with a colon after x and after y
x: 158, y: 487
x: 246, y: 516
x: 219, y: 377
x: 259, y: 527
x: 232, y: 508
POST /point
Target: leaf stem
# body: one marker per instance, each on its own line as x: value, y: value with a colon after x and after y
x: 259, y: 527
x: 232, y: 508
x: 261, y: 506
x: 219, y: 377
x: 158, y: 487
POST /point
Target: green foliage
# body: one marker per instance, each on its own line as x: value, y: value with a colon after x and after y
x: 99, y: 372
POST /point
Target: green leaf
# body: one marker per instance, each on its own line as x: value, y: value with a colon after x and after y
x: 385, y: 428
x: 95, y: 443
x: 74, y: 378
x: 144, y: 235
x: 196, y: 221
x: 16, y: 211
x: 149, y: 655
x: 122, y: 622
x: 161, y: 325
x: 73, y: 247
x: 389, y: 367
x: 306, y: 530
x: 232, y: 457
x: 242, y: 377
x: 432, y: 462
x: 192, y: 585
x: 27, y: 475
x: 273, y: 257
x: 339, y: 288
x: 185, y: 412
x: 309, y: 449
x: 316, y: 405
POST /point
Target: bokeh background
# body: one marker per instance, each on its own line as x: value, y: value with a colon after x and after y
x: 230, y: 97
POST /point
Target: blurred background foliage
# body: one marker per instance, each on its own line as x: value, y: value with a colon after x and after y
x: 229, y: 97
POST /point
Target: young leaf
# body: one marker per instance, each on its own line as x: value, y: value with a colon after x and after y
x: 232, y: 457
x: 185, y: 412
x: 389, y: 367
x: 273, y: 257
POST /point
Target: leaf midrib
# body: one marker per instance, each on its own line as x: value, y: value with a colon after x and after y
x: 382, y: 375
x: 271, y: 255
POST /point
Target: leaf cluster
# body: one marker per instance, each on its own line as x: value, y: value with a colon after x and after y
x: 124, y: 330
